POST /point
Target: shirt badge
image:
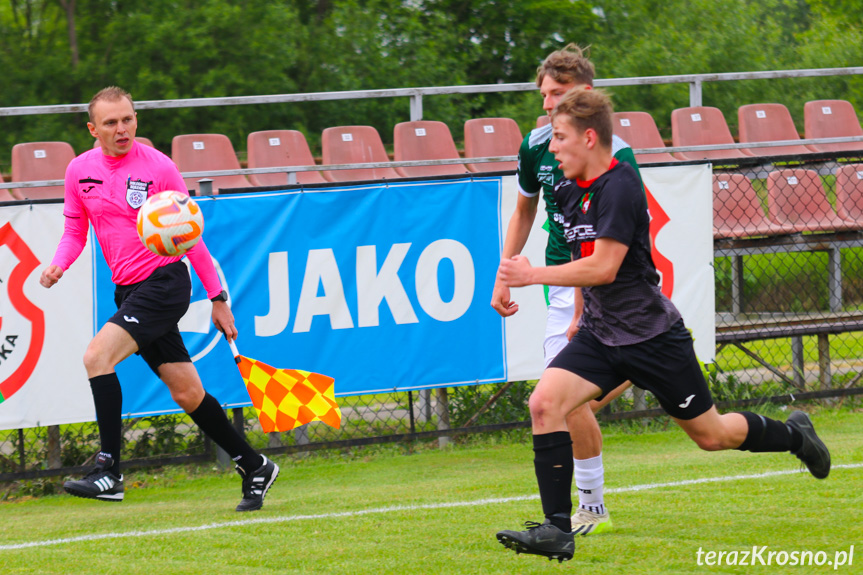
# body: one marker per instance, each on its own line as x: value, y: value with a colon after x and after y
x: 585, y: 202
x: 136, y: 192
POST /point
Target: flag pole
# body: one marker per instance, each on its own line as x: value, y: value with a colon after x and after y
x: 235, y: 351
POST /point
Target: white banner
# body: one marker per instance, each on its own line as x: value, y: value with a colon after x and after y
x: 43, y: 332
x: 682, y: 227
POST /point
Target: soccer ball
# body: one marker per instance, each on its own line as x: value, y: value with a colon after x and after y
x: 170, y: 223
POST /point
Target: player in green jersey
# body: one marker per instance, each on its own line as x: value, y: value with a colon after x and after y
x: 538, y: 172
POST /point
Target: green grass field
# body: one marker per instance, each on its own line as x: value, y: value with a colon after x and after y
x: 398, y: 509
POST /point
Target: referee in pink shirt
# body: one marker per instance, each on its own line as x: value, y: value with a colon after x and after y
x: 106, y: 187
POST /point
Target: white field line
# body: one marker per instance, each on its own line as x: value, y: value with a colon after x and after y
x: 392, y: 509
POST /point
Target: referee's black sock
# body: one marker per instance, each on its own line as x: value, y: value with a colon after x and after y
x: 767, y: 434
x: 552, y: 462
x: 212, y: 420
x: 108, y: 399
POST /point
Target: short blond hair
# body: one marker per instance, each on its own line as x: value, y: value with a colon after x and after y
x: 111, y: 94
x: 569, y: 65
x: 588, y: 109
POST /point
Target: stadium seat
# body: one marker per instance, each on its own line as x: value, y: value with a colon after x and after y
x: 796, y: 197
x: 702, y: 126
x: 354, y: 145
x: 139, y: 139
x: 832, y: 119
x: 425, y: 140
x: 543, y: 120
x: 849, y: 192
x: 491, y: 137
x: 639, y: 131
x: 737, y: 211
x: 40, y: 161
x: 204, y: 153
x: 275, y: 148
x: 768, y: 123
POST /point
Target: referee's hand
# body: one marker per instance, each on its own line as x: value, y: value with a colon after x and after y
x: 50, y: 276
x: 223, y: 319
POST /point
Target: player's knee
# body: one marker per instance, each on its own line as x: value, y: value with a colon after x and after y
x: 709, y: 442
x: 188, y: 399
x: 94, y: 361
x: 540, y: 404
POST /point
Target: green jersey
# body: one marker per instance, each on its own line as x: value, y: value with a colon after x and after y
x: 539, y: 171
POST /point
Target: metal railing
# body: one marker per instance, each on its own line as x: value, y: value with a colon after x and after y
x: 416, y: 95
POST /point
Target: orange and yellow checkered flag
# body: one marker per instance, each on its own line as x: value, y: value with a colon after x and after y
x: 288, y: 398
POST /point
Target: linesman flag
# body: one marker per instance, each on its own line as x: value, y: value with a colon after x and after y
x: 288, y: 398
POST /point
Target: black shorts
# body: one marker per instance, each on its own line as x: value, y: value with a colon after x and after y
x: 150, y: 311
x: 665, y: 365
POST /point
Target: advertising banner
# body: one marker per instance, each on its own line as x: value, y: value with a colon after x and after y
x: 384, y: 287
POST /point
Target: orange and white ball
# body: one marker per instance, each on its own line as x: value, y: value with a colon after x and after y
x: 170, y: 223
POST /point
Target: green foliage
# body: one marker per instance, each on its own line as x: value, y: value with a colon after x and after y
x: 164, y: 49
x: 730, y: 387
x: 163, y: 435
x: 79, y: 443
x: 466, y: 400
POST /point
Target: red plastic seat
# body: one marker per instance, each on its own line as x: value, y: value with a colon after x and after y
x: 204, y: 153
x: 796, y: 197
x: 34, y: 161
x: 702, y: 126
x: 491, y: 137
x: 849, y: 192
x: 275, y: 148
x: 354, y: 145
x: 425, y: 140
x: 639, y: 131
x: 832, y: 119
x: 737, y: 211
x: 768, y: 123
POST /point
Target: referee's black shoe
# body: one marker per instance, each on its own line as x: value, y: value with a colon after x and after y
x: 813, y: 453
x: 98, y: 484
x: 540, y: 539
x: 256, y: 485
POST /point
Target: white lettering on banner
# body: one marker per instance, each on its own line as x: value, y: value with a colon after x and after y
x: 276, y: 321
x: 428, y: 292
x: 321, y: 269
x: 374, y: 286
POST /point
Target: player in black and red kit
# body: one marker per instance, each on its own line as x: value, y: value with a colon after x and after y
x: 628, y: 329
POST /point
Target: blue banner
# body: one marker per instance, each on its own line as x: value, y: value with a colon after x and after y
x: 382, y: 287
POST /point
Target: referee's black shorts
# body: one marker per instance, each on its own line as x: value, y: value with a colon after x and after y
x: 665, y: 365
x: 150, y: 311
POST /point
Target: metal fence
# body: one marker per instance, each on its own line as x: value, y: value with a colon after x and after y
x: 788, y: 246
x: 789, y: 313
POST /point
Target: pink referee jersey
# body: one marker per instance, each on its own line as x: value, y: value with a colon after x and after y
x: 107, y: 192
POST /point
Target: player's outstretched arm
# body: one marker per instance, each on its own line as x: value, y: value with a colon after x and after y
x: 517, y: 233
x: 223, y: 319
x: 600, y: 268
x: 51, y: 275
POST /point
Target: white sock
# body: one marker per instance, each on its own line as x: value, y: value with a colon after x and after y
x: 589, y: 479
